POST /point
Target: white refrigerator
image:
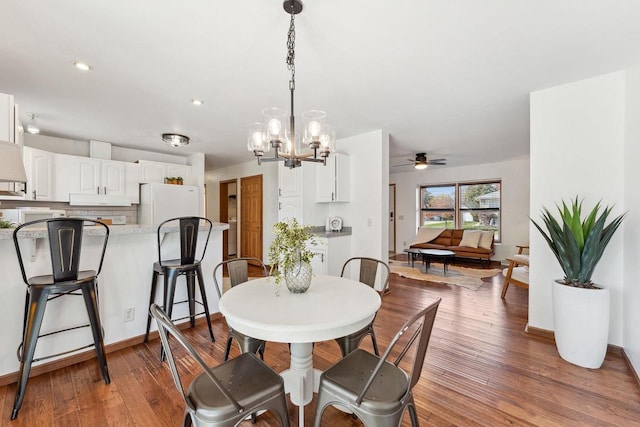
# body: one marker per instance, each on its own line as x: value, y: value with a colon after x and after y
x: 159, y: 202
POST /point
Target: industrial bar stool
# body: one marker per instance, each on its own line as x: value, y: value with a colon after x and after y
x: 65, y: 278
x: 187, y: 265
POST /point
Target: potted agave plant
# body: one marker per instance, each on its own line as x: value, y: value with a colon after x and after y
x: 289, y: 252
x: 580, y: 307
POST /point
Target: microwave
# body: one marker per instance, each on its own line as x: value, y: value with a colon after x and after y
x: 21, y: 216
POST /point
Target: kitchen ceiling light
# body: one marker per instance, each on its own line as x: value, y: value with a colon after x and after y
x: 274, y: 131
x: 175, y: 140
x: 197, y: 101
x: 32, y: 127
x: 82, y: 66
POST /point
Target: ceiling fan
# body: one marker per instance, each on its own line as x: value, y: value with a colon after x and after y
x: 421, y: 161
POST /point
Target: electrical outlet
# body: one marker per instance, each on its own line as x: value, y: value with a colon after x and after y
x: 129, y: 314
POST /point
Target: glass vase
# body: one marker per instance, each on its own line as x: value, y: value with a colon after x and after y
x: 298, y: 277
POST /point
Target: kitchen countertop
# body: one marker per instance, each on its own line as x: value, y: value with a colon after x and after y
x: 320, y: 232
x: 7, y: 233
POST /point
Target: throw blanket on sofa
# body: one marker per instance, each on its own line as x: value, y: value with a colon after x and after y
x: 426, y: 235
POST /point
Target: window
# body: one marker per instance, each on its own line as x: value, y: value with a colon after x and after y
x: 474, y: 205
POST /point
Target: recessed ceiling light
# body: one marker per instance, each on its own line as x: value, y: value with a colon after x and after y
x: 197, y: 101
x: 82, y: 66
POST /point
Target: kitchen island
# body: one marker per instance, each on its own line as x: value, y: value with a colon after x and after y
x: 124, y: 285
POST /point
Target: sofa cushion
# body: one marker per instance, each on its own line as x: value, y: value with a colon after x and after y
x: 470, y: 238
x: 486, y: 240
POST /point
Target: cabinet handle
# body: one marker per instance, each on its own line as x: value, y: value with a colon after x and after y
x: 322, y: 257
x: 105, y: 190
x: 98, y: 190
x: 279, y: 191
x: 332, y: 196
x: 279, y: 206
x: 34, y: 194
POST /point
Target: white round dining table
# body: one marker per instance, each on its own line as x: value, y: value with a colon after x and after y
x: 331, y: 308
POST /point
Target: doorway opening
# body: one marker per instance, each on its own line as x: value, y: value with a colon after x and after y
x: 392, y: 219
x: 229, y: 214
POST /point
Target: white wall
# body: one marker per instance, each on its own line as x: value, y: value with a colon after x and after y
x: 368, y: 211
x: 514, y: 192
x: 269, y: 172
x: 631, y: 291
x: 577, y: 148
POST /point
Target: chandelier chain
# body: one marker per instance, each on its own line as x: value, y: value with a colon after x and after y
x: 291, y: 52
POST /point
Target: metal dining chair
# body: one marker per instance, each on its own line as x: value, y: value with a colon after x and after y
x: 238, y: 269
x: 368, y: 270
x: 65, y: 237
x: 377, y: 391
x: 225, y: 394
x: 188, y: 265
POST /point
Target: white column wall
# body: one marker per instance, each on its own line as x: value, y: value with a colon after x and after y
x: 631, y: 291
x: 577, y: 148
x: 369, y: 167
x: 514, y: 192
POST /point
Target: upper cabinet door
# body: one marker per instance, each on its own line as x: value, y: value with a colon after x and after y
x: 289, y: 181
x: 112, y: 181
x: 87, y: 171
x: 332, y: 180
x: 39, y: 168
x: 152, y: 172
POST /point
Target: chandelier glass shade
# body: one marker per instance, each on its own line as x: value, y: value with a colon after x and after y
x: 277, y: 129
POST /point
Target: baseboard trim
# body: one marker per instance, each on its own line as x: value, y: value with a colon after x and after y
x: 549, y: 336
x: 633, y: 371
x: 91, y: 353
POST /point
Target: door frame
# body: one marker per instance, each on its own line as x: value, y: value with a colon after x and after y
x: 224, y: 214
x: 393, y: 218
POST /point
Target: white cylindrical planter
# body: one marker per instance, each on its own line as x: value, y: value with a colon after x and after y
x: 581, y: 323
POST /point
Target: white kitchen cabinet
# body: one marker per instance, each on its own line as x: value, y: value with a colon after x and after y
x: 96, y: 176
x: 288, y: 208
x: 86, y: 175
x: 8, y: 118
x: 319, y: 260
x: 332, y: 180
x: 151, y: 172
x: 38, y: 165
x: 289, y: 181
x: 289, y: 193
x: 331, y: 253
x: 132, y: 182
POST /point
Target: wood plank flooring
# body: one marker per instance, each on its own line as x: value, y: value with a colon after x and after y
x: 481, y: 369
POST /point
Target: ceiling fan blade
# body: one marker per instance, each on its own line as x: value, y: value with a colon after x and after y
x: 437, y: 162
x: 402, y: 165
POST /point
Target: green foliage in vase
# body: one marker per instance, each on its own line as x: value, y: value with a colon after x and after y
x: 578, y: 244
x: 5, y: 224
x: 289, y: 246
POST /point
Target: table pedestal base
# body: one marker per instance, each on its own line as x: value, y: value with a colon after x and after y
x: 301, y: 380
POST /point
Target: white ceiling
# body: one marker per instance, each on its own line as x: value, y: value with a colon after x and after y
x: 449, y: 77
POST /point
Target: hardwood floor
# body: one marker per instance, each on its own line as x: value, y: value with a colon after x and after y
x: 481, y: 369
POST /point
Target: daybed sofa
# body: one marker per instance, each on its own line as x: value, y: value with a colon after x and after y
x: 472, y: 244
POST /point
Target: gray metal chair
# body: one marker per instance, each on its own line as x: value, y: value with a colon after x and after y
x: 368, y: 271
x: 226, y: 394
x: 375, y: 390
x: 66, y: 278
x: 238, y: 269
x: 188, y: 265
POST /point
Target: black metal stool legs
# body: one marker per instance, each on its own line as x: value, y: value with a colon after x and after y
x: 37, y: 302
x: 91, y: 302
x: 203, y: 294
x: 152, y: 298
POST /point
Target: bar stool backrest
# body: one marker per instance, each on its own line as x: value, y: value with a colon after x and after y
x: 189, y: 227
x: 65, y: 243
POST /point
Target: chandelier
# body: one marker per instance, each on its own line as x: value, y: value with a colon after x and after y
x: 274, y: 131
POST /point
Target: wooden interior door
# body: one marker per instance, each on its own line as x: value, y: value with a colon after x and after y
x: 251, y: 216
